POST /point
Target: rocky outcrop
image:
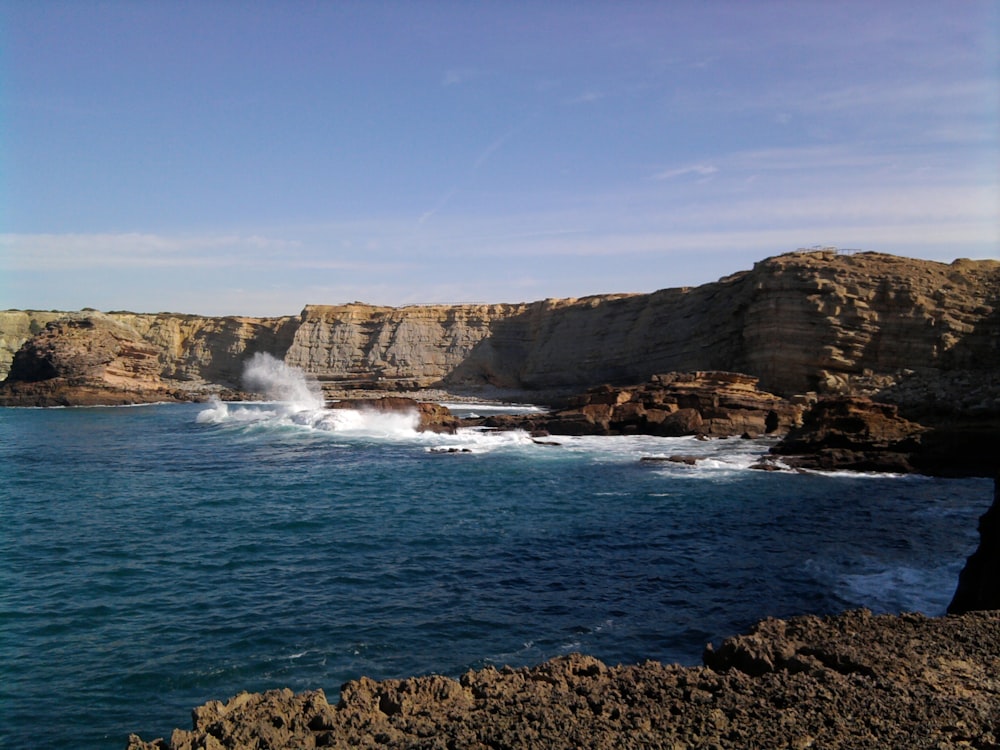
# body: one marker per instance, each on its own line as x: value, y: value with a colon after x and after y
x: 16, y: 327
x: 712, y: 404
x: 90, y: 358
x: 979, y: 581
x: 83, y: 361
x: 852, y: 433
x: 852, y: 681
x: 857, y: 434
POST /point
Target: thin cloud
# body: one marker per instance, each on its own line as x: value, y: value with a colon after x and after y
x: 456, y: 76
x: 499, y: 143
x: 587, y: 97
x: 60, y: 252
x: 445, y: 199
x: 702, y: 170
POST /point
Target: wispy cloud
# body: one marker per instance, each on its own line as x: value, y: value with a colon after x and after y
x: 63, y: 252
x: 499, y: 143
x: 701, y: 170
x: 445, y: 199
x: 587, y: 97
x: 456, y: 76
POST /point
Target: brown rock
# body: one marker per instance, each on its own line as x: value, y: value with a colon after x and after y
x: 852, y: 433
x: 84, y: 361
x: 852, y: 681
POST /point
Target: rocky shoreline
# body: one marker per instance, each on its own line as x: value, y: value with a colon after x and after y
x: 851, y: 681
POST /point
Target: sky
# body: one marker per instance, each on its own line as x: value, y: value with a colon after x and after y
x: 249, y: 158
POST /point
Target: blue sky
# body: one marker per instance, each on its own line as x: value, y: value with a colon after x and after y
x: 251, y: 158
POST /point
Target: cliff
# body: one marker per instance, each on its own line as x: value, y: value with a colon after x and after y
x: 922, y: 334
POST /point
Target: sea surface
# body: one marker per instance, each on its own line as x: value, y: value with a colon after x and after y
x: 153, y: 558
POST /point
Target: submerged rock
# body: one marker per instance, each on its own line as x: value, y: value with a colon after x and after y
x: 852, y: 681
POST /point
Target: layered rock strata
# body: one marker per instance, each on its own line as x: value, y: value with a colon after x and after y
x: 852, y: 681
x: 920, y: 334
x: 83, y: 361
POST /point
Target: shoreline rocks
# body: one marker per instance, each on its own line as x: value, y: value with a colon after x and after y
x: 712, y: 404
x: 852, y: 681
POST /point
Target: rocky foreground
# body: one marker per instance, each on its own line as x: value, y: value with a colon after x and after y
x: 852, y: 681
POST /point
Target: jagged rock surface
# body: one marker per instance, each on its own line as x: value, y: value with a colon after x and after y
x: 713, y: 404
x: 852, y: 433
x: 852, y: 681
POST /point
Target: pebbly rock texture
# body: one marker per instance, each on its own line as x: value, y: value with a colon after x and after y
x: 979, y: 581
x: 669, y: 405
x: 84, y: 361
x: 428, y: 417
x: 852, y: 681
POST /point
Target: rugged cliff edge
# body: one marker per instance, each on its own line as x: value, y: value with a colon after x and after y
x: 851, y: 681
x: 920, y: 334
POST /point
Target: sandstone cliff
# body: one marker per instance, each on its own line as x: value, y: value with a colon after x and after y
x: 922, y: 334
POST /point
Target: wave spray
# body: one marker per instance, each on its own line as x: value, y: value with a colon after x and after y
x: 276, y: 381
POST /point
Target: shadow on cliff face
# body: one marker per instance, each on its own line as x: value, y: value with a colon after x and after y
x: 571, y: 346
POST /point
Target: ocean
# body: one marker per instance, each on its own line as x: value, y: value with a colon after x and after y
x: 153, y: 558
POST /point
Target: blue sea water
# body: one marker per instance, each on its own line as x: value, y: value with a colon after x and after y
x: 153, y: 558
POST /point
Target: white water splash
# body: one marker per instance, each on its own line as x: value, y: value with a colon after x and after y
x: 276, y: 381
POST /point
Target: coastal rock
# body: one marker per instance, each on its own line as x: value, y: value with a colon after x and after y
x: 979, y: 581
x: 851, y: 681
x: 852, y: 433
x: 714, y: 404
x: 83, y: 361
x: 430, y: 417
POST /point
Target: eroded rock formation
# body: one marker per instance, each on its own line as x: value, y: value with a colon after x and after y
x: 81, y: 361
x: 713, y: 404
x: 852, y: 681
x: 852, y: 433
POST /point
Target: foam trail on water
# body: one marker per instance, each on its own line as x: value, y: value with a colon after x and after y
x: 276, y: 381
